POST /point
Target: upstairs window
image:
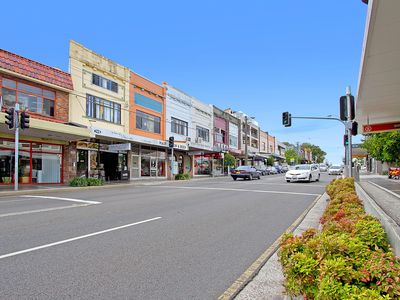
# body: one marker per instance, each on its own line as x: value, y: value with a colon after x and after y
x: 101, y: 109
x: 105, y: 83
x: 30, y: 97
x: 179, y: 126
x: 203, y: 133
x: 148, y: 122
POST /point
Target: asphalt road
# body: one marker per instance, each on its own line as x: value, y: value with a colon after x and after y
x: 176, y: 240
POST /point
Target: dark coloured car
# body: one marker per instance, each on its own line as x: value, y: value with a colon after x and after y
x: 245, y: 172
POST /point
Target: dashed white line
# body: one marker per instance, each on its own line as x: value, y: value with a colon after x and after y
x: 75, y: 238
x: 234, y: 190
x: 62, y: 199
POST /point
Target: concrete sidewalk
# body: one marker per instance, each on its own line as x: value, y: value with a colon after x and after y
x: 268, y: 283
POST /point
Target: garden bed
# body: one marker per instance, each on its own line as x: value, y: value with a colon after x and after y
x: 349, y: 258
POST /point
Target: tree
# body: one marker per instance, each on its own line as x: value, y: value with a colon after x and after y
x: 384, y: 146
x: 229, y: 160
x: 317, y: 153
x: 291, y: 155
x: 270, y: 161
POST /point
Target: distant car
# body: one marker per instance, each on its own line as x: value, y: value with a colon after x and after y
x: 273, y: 170
x: 278, y: 169
x: 285, y: 169
x: 262, y: 169
x: 303, y: 173
x: 335, y: 170
x: 323, y: 167
x: 245, y: 172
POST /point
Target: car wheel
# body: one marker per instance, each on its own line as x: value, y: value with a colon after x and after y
x: 287, y: 180
x: 309, y: 178
x: 259, y: 177
x: 319, y: 175
x: 251, y: 177
x: 234, y: 178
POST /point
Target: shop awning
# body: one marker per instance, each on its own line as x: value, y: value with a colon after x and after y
x: 378, y: 97
x: 48, y: 130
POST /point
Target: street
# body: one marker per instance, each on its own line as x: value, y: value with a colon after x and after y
x: 175, y: 240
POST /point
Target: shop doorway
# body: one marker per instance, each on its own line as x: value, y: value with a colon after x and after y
x: 109, y: 164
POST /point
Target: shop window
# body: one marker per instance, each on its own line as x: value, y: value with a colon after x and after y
x: 105, y: 83
x: 101, y: 109
x: 179, y: 126
x: 29, y: 97
x: 233, y: 141
x: 147, y: 122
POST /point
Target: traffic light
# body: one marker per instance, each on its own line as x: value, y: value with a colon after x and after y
x: 10, y: 116
x: 171, y: 142
x: 25, y: 118
x: 345, y: 140
x: 354, y: 128
x: 343, y: 108
x: 286, y: 119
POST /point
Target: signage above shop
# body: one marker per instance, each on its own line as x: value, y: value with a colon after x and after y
x: 119, y: 147
x: 220, y: 147
x: 381, y: 127
x: 82, y: 145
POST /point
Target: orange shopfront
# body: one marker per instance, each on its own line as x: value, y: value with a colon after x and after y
x: 38, y: 162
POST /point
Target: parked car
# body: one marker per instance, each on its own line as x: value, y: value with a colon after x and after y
x: 273, y: 170
x: 303, y: 173
x: 335, y: 170
x: 285, y: 169
x: 394, y: 173
x: 245, y: 172
x: 278, y: 169
x: 323, y: 167
x: 262, y: 169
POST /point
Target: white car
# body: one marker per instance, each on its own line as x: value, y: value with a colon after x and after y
x: 335, y: 170
x: 323, y: 167
x: 303, y: 173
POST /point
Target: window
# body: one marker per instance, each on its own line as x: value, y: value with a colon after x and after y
x: 179, y: 126
x: 203, y: 133
x: 263, y: 146
x: 105, y: 83
x: 233, y: 141
x: 148, y: 103
x: 220, y: 135
x: 103, y: 109
x: 147, y: 122
x: 29, y: 97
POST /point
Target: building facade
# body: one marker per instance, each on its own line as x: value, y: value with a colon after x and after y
x: 46, y: 151
x: 100, y: 101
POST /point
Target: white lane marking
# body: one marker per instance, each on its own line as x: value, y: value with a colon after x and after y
x: 26, y: 212
x: 385, y: 189
x: 234, y: 190
x: 62, y: 199
x: 75, y: 238
x: 286, y: 184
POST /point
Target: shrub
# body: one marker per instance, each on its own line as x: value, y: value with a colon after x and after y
x: 94, y: 181
x: 348, y: 259
x: 183, y: 176
x: 78, y: 181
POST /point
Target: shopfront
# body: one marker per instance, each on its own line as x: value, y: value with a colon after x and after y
x: 100, y: 160
x: 202, y: 165
x: 148, y: 162
x: 37, y: 162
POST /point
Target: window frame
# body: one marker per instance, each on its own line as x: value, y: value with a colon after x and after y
x: 205, y: 137
x: 179, y: 126
x: 109, y: 84
x: 95, y: 107
x: 153, y: 118
x: 31, y: 94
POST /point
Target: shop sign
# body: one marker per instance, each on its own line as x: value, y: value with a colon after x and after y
x: 82, y: 145
x: 119, y: 147
x: 196, y: 153
x: 220, y: 147
x: 381, y: 127
x: 181, y: 146
x: 235, y: 151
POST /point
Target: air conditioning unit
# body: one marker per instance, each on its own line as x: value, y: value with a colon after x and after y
x: 199, y: 140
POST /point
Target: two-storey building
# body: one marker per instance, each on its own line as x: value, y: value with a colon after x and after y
x: 46, y: 150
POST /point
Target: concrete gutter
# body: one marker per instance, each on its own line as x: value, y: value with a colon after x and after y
x: 391, y: 228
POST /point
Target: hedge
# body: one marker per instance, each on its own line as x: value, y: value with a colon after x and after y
x: 349, y: 258
x: 83, y: 181
x: 184, y: 176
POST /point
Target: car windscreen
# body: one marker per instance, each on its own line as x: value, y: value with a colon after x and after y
x: 243, y: 168
x: 302, y: 167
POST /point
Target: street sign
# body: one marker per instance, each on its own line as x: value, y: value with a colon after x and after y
x: 381, y: 127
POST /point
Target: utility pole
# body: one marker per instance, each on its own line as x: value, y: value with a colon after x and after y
x: 16, y: 118
x: 349, y: 131
x: 245, y: 144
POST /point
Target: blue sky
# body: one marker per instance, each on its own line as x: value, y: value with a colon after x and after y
x: 261, y: 57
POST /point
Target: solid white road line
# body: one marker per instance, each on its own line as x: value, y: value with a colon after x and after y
x: 26, y: 212
x: 62, y: 199
x: 75, y: 238
x: 234, y: 190
x: 287, y: 184
x: 385, y: 189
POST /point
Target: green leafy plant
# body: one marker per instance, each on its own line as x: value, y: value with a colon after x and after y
x: 78, y: 181
x: 183, y: 176
x: 94, y: 181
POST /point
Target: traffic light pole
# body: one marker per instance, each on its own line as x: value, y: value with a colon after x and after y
x: 349, y: 133
x: 16, y: 122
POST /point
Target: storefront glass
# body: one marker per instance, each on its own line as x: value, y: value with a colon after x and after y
x: 37, y: 162
x: 202, y: 165
x: 152, y: 162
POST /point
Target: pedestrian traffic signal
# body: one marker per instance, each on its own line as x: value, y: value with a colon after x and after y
x: 345, y: 140
x: 343, y: 108
x: 171, y: 142
x: 25, y: 118
x: 286, y: 119
x: 10, y: 118
x: 354, y: 128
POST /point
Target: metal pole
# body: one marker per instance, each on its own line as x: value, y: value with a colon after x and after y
x: 245, y: 144
x: 16, y: 123
x: 172, y: 162
x: 349, y: 150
